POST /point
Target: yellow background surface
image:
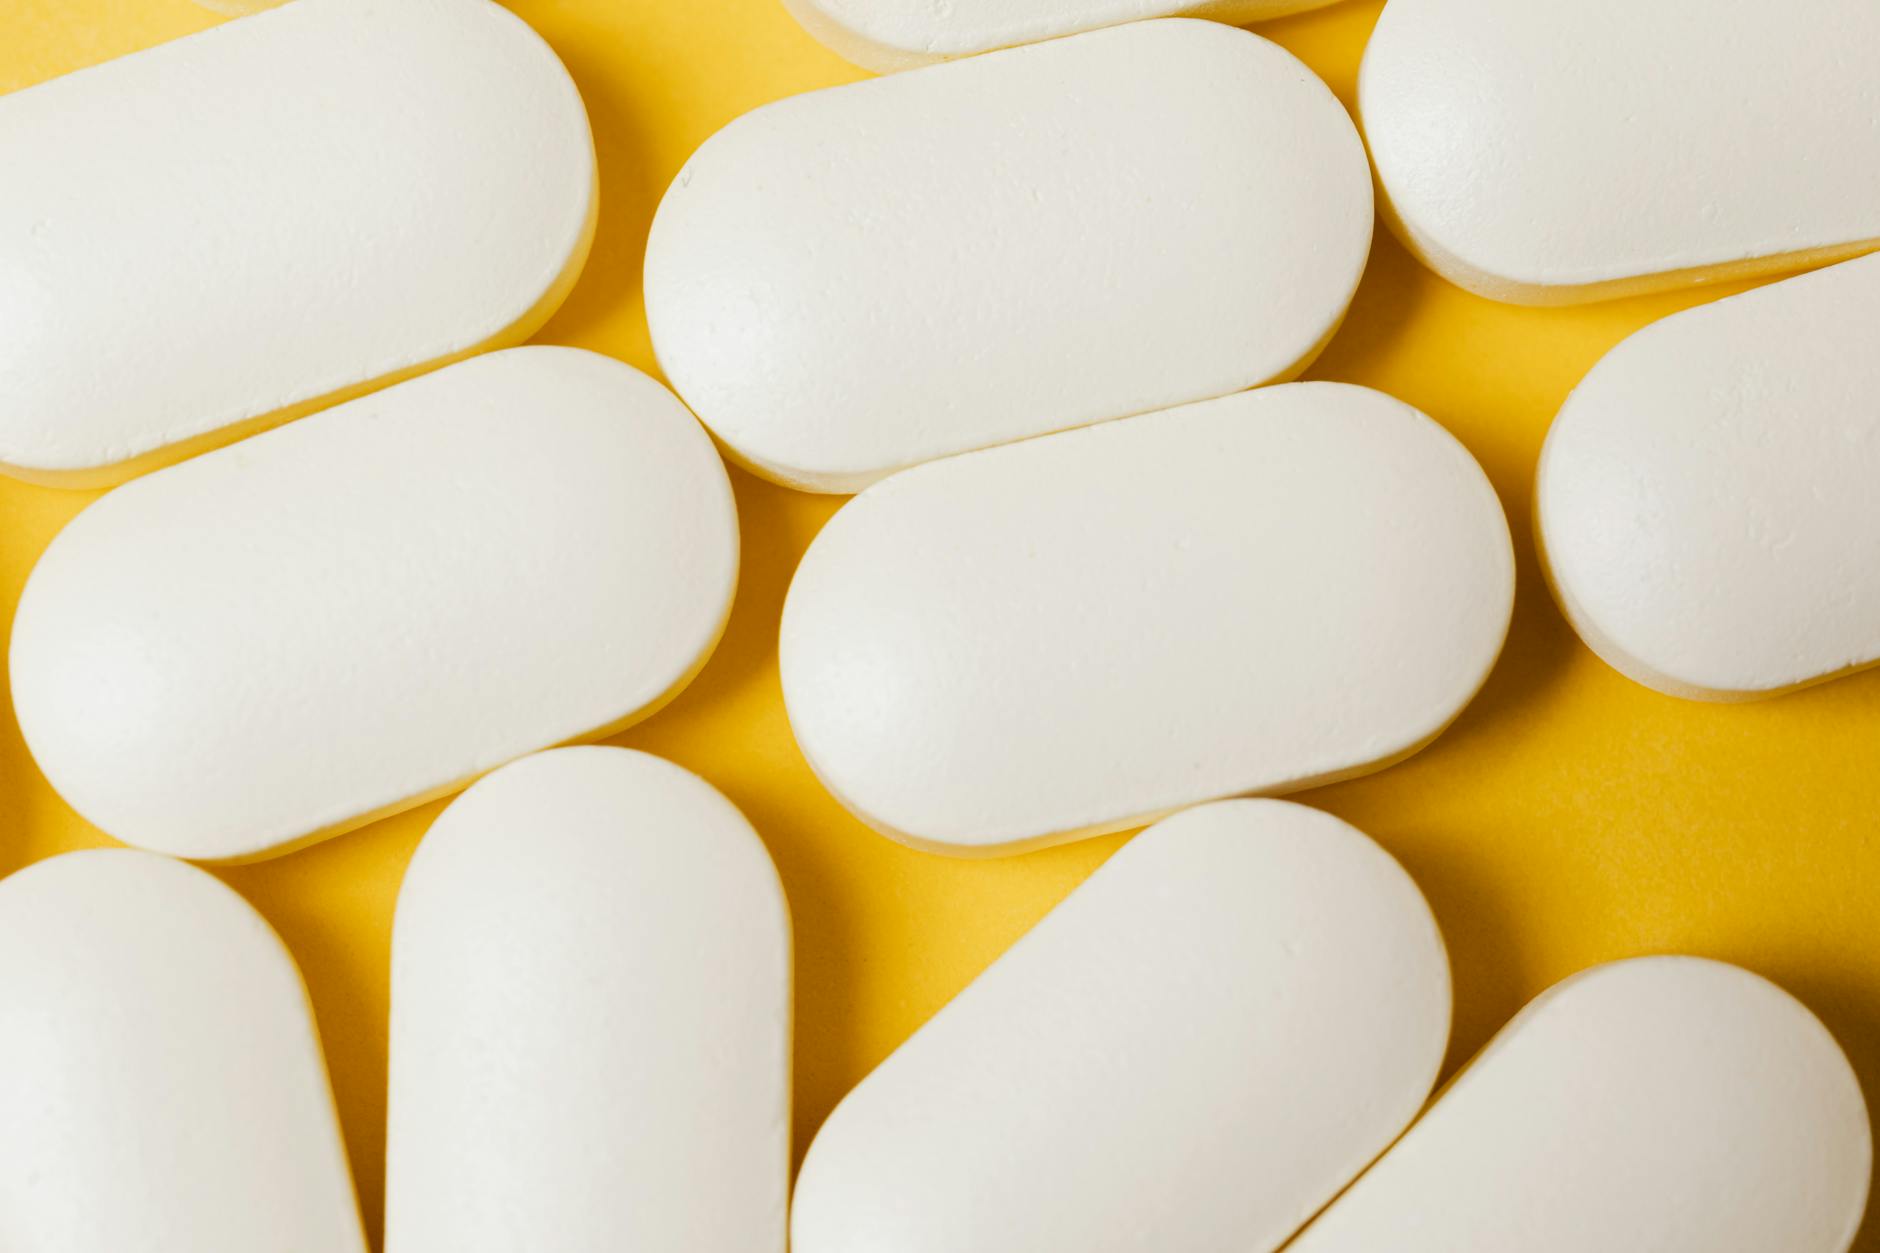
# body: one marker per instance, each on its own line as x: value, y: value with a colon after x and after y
x: 1570, y: 817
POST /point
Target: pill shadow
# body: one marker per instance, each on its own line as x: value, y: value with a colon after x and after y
x: 1489, y: 972
x: 15, y: 776
x: 610, y: 283
x: 1537, y: 658
x: 18, y: 775
x: 33, y: 515
x: 1386, y: 305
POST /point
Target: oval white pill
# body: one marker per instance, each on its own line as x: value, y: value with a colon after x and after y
x: 1667, y: 1104
x: 590, y: 1039
x: 1705, y: 498
x: 1548, y: 153
x: 848, y: 282
x: 1083, y: 632
x: 272, y: 216
x: 342, y: 618
x: 161, y: 1081
x: 1196, y: 1050
x: 900, y: 34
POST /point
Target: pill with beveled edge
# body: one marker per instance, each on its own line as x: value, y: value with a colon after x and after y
x: 1705, y: 499
x: 274, y: 215
x: 1082, y: 632
x: 852, y: 281
x: 896, y: 35
x: 339, y: 619
x: 1196, y: 1050
x: 590, y: 1033
x: 1661, y: 1105
x: 161, y: 1081
x: 1549, y: 153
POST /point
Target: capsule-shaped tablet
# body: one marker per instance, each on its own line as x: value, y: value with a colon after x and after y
x: 895, y: 35
x: 1553, y: 153
x: 590, y: 1039
x: 1661, y: 1105
x: 1196, y: 1050
x: 342, y: 618
x: 162, y: 1087
x: 851, y: 281
x: 1706, y: 496
x: 1081, y: 633
x: 272, y: 216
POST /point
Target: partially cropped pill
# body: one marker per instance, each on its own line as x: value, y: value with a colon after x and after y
x: 1196, y: 1050
x: 162, y: 1087
x: 1705, y: 498
x: 342, y: 618
x: 222, y: 233
x: 590, y: 1037
x: 897, y: 35
x: 852, y: 281
x: 1083, y: 632
x: 1662, y: 1105
x: 1551, y: 153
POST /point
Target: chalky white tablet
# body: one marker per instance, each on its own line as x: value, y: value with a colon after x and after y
x: 1083, y: 632
x: 1550, y: 153
x: 342, y: 618
x: 272, y: 216
x: 161, y: 1080
x: 1663, y: 1105
x: 1706, y: 497
x: 900, y: 34
x: 1196, y: 1050
x: 851, y: 281
x: 590, y: 1037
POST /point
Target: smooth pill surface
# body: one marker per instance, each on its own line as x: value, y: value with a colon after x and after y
x: 900, y: 34
x: 1706, y: 496
x: 1662, y: 1105
x: 1083, y: 632
x: 851, y: 281
x: 1549, y: 153
x: 162, y: 1087
x: 1196, y: 1050
x: 590, y: 1035
x: 287, y: 638
x: 274, y: 215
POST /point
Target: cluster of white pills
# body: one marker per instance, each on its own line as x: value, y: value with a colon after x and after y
x: 1038, y: 300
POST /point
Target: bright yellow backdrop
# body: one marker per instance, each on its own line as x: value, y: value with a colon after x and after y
x: 1569, y: 817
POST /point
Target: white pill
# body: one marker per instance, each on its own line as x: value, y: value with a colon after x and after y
x: 899, y: 34
x: 1662, y: 1105
x: 272, y: 216
x: 1706, y: 497
x: 1081, y: 633
x: 590, y: 1038
x: 162, y: 1087
x: 342, y: 618
x: 848, y: 282
x: 1196, y: 1050
x: 1551, y: 153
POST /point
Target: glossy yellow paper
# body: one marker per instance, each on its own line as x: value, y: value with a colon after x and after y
x: 1570, y: 816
